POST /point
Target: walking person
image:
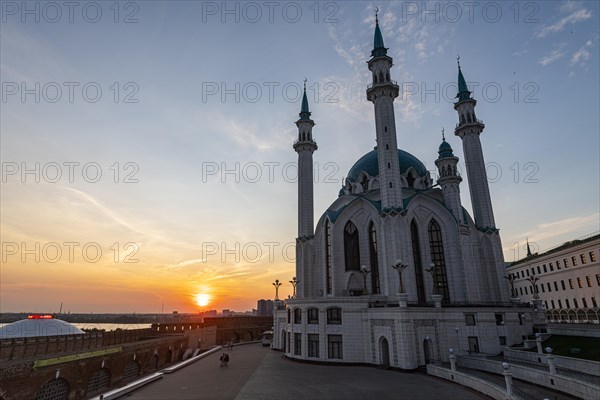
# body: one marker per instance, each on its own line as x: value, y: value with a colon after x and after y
x: 222, y: 359
x: 226, y: 360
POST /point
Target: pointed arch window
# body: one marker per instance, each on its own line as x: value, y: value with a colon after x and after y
x: 436, y: 246
x: 328, y: 257
x: 351, y: 247
x: 414, y: 234
x: 374, y: 261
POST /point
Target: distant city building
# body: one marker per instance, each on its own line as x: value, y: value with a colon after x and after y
x: 566, y: 278
x: 264, y: 307
x: 397, y: 271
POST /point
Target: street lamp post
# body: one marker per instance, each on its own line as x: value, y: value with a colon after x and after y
x: 435, y: 293
x: 399, y: 266
x: 276, y: 284
x: 364, y: 272
x: 294, y: 282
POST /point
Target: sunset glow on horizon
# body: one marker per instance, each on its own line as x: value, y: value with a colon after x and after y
x: 175, y: 190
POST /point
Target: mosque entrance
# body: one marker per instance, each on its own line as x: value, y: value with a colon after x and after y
x: 384, y: 353
x: 427, y: 350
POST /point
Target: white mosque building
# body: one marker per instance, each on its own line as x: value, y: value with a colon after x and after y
x: 397, y: 272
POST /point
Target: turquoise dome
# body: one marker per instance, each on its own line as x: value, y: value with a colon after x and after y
x: 369, y: 164
x: 445, y: 150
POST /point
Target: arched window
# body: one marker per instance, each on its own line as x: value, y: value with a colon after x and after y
x: 328, y: 257
x: 414, y: 233
x: 374, y: 261
x: 99, y: 382
x: 437, y: 257
x: 56, y: 389
x: 351, y: 247
x: 410, y: 179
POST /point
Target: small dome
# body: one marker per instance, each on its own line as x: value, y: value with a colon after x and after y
x: 38, y: 325
x: 370, y: 164
x: 445, y: 150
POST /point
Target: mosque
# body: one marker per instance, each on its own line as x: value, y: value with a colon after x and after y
x: 397, y: 272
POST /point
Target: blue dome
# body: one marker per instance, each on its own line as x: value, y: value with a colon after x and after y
x: 445, y: 150
x: 369, y: 164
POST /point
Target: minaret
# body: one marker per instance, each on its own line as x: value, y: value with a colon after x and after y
x: 449, y: 179
x: 305, y: 146
x: 382, y: 93
x: 468, y: 129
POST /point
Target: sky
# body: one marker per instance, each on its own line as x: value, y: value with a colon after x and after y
x: 146, y: 146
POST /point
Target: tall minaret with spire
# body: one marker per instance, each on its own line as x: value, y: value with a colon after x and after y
x: 382, y: 93
x: 468, y: 129
x: 305, y: 146
x: 449, y: 179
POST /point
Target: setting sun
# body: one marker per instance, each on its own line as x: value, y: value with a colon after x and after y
x: 202, y: 299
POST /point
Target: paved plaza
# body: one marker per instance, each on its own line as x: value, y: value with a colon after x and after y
x: 257, y: 372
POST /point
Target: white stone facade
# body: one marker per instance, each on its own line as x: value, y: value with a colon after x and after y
x: 568, y: 280
x: 348, y: 307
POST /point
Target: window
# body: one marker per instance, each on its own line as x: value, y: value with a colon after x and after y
x: 532, y: 271
x: 473, y: 344
x: 594, y: 304
x: 579, y: 282
x: 328, y: 256
x: 499, y: 318
x: 437, y: 257
x: 313, y: 345
x: 566, y: 262
x: 559, y: 303
x: 567, y: 303
x: 555, y: 286
x: 538, y: 269
x: 374, y: 261
x: 546, y: 304
x: 526, y: 290
x: 334, y: 346
x: 588, y: 280
x: 297, y: 315
x: 289, y: 319
x: 313, y: 316
x: 549, y: 288
x: 351, y: 247
x: 583, y: 260
x: 502, y: 340
x: 297, y: 344
x: 592, y: 256
x: 545, y: 269
x: 334, y: 316
x: 598, y: 279
x: 551, y: 266
x: 552, y: 302
x: 575, y: 303
x: 470, y: 319
x: 571, y: 284
x: 542, y: 285
x: 558, y: 264
x: 584, y: 301
x: 521, y: 291
x: 562, y: 283
x: 414, y: 234
x: 527, y: 272
x: 574, y: 260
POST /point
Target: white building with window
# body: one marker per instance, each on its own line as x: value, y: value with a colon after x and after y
x: 396, y: 271
x: 566, y: 278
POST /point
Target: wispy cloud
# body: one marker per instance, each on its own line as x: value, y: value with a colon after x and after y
x: 574, y: 15
x: 553, y: 57
x: 582, y: 55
